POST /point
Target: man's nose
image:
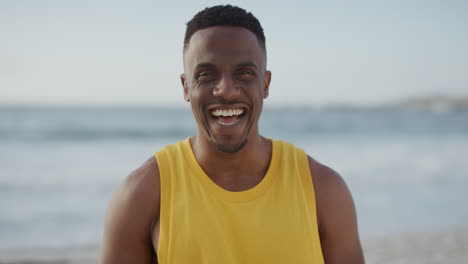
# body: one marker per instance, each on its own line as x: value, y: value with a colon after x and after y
x: 226, y: 88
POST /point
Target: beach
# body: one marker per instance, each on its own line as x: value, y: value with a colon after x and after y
x: 406, y: 169
x: 449, y: 247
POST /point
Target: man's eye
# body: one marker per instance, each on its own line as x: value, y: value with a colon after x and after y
x: 245, y: 75
x: 206, y: 76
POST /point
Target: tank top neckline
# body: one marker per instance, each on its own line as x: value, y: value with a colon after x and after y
x: 233, y: 196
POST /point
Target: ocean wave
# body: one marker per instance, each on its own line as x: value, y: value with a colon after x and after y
x: 70, y: 124
x: 66, y: 134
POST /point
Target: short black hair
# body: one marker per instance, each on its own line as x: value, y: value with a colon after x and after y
x: 224, y: 15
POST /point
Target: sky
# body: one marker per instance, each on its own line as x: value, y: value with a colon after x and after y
x: 85, y: 52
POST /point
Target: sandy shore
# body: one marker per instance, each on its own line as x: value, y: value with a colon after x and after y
x: 442, y: 247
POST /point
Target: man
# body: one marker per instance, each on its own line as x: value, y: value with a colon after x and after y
x: 229, y: 195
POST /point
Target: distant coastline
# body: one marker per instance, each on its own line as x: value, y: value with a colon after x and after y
x: 436, y: 103
x: 427, y: 103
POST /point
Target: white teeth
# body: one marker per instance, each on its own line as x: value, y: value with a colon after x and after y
x: 227, y: 112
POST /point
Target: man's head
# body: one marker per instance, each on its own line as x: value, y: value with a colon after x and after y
x: 226, y: 15
x: 225, y: 76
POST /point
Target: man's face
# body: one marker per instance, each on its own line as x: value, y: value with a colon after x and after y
x: 226, y: 81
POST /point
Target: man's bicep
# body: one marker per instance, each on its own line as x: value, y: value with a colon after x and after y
x: 337, y: 218
x: 123, y: 240
x: 128, y: 223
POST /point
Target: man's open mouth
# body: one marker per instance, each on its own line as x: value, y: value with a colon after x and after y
x: 227, y: 116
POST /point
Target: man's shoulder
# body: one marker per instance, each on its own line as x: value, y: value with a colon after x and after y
x: 319, y: 172
x: 131, y: 216
x: 144, y: 181
x: 144, y: 178
x: 331, y: 191
x: 336, y: 215
x: 139, y: 191
x: 323, y: 176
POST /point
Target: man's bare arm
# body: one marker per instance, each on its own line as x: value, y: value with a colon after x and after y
x: 131, y: 217
x: 336, y: 217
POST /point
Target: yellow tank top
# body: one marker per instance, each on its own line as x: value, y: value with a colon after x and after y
x: 202, y: 223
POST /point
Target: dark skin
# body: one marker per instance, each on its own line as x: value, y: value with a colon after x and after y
x: 225, y: 67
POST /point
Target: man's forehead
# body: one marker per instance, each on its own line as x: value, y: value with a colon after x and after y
x: 223, y: 41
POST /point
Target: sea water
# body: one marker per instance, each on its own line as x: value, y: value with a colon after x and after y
x: 407, y: 169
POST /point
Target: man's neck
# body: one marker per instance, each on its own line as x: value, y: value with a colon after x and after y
x: 234, y: 171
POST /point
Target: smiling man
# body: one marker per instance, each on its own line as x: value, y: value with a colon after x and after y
x: 229, y: 195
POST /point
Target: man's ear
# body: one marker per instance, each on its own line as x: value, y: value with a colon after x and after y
x: 266, y: 84
x: 185, y: 87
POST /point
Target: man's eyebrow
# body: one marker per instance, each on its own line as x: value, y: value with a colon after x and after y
x: 211, y: 65
x: 204, y: 65
x: 247, y: 64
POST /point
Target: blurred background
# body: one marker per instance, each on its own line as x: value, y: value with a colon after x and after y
x: 378, y: 90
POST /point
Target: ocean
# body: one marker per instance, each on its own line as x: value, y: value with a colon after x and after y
x: 407, y: 169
